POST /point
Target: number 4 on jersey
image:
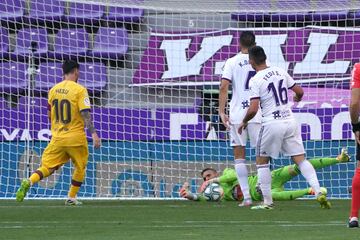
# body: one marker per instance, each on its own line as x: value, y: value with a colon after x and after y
x: 249, y: 76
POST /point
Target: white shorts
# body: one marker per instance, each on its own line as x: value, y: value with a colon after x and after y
x: 279, y: 136
x: 251, y: 133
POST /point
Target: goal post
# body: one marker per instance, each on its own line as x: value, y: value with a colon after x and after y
x: 152, y: 69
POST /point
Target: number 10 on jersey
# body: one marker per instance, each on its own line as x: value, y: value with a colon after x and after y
x: 62, y: 110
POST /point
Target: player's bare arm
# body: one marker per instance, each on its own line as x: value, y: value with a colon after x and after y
x: 223, y: 96
x: 299, y: 92
x: 354, y: 112
x: 86, y: 115
x: 250, y: 114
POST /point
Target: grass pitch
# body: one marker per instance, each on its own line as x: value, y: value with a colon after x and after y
x: 38, y: 219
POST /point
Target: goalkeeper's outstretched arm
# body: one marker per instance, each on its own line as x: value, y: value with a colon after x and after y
x: 185, y: 193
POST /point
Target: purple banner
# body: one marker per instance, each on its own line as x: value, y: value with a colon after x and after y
x: 169, y: 124
x: 310, y: 54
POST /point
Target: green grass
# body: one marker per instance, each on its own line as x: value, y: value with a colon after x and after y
x: 172, y: 220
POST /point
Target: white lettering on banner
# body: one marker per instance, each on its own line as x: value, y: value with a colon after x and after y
x: 25, y: 135
x: 319, y: 46
x: 337, y: 125
x: 302, y: 104
x: 175, y: 52
x: 219, y: 67
x: 272, y: 46
x: 178, y: 119
x: 312, y: 121
x: 179, y: 65
x: 44, y: 135
x: 12, y: 136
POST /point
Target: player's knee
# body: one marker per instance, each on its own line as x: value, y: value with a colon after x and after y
x: 52, y: 170
x: 79, y: 174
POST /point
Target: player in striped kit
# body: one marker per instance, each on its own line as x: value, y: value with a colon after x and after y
x: 280, y: 131
x: 237, y: 72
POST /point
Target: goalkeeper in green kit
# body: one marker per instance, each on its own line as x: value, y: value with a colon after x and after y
x: 229, y: 183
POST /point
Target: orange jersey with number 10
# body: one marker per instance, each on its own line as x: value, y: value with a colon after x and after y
x: 66, y: 101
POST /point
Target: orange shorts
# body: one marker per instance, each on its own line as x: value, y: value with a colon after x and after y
x: 55, y: 156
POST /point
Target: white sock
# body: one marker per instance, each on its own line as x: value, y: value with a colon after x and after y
x: 308, y: 171
x: 242, y: 176
x: 264, y: 176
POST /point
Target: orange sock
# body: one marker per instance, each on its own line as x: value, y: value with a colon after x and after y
x: 74, y: 189
x: 39, y: 174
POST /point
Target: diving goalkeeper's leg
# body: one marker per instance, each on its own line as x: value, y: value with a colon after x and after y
x: 317, y: 163
x: 282, y: 175
x: 288, y: 195
x: 284, y: 195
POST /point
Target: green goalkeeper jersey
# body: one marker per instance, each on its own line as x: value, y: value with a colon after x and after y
x: 228, y: 181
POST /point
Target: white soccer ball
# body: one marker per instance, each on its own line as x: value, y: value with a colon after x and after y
x: 213, y: 192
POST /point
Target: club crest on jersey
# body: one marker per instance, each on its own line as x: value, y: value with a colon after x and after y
x: 245, y: 104
x: 87, y: 101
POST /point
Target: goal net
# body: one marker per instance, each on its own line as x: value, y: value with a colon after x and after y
x: 152, y: 69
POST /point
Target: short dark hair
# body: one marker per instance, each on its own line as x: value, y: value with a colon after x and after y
x: 207, y: 169
x: 257, y: 54
x: 247, y: 39
x: 69, y: 66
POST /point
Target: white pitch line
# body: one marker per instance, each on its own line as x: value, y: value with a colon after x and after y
x: 260, y: 221
x: 67, y: 222
x: 245, y: 225
x: 85, y: 206
x: 172, y: 224
x: 182, y: 226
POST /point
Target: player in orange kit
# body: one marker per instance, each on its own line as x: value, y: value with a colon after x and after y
x: 354, y: 115
x: 69, y: 113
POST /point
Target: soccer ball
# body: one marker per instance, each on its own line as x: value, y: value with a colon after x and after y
x: 213, y: 192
